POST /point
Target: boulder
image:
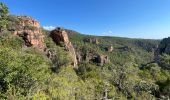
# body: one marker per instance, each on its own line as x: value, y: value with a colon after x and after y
x: 60, y: 37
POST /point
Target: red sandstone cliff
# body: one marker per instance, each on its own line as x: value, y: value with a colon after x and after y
x: 29, y: 29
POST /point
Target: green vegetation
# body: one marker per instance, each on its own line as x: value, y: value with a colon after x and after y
x: 3, y: 16
x: 164, y: 61
x: 26, y: 73
x: 131, y: 70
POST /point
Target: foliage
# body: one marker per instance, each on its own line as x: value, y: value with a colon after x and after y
x: 164, y: 87
x: 3, y: 16
x: 8, y: 40
x: 22, y: 73
x: 164, y: 61
x: 13, y: 23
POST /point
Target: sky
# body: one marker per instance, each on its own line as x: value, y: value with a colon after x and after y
x: 149, y: 19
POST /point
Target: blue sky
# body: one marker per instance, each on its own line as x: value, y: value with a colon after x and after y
x: 126, y: 18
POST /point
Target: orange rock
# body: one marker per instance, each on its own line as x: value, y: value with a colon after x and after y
x: 30, y: 31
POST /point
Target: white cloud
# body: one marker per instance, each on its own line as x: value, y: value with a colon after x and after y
x: 110, y: 32
x: 49, y: 27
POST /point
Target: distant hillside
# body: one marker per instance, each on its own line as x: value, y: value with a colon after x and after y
x: 141, y: 49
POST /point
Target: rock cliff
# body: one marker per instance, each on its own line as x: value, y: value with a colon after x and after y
x: 160, y: 58
x: 29, y: 29
x: 163, y: 47
x: 60, y: 37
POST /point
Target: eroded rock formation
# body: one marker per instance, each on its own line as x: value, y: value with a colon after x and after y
x: 91, y: 40
x: 92, y: 56
x: 102, y: 59
x: 60, y: 37
x: 164, y: 47
x: 29, y: 29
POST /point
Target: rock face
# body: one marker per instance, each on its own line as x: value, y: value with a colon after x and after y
x: 102, y: 59
x: 29, y: 29
x: 92, y: 56
x: 91, y: 40
x: 164, y: 47
x: 60, y: 37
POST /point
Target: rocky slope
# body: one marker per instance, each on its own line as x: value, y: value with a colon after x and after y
x: 31, y: 32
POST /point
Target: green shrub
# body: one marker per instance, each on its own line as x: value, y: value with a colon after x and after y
x: 164, y: 87
x: 164, y: 61
x: 22, y: 73
x: 10, y: 41
x: 3, y: 16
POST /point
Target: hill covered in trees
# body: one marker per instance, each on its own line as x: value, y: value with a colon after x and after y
x: 66, y: 65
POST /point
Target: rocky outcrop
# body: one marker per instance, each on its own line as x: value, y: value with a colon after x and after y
x: 86, y: 54
x: 90, y: 55
x: 29, y: 29
x: 109, y: 48
x: 60, y: 37
x: 102, y: 59
x: 164, y: 47
x: 91, y: 40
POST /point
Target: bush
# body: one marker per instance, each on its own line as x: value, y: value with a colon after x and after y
x: 3, y: 16
x: 10, y: 41
x: 13, y: 23
x: 164, y: 61
x: 22, y: 74
x: 164, y: 87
